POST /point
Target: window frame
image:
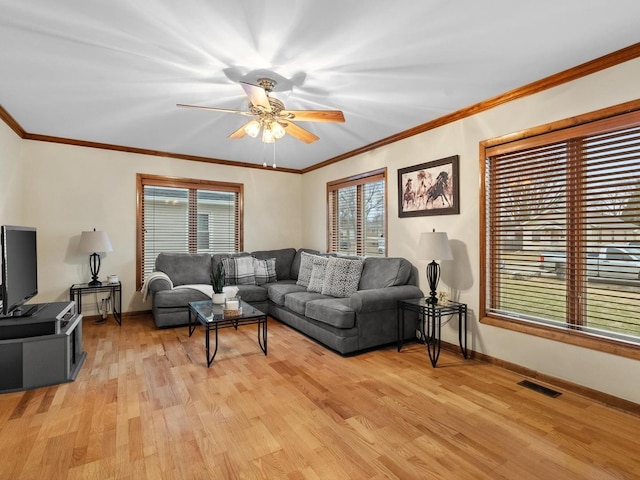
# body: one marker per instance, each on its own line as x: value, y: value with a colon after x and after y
x: 193, y: 185
x: 358, y: 180
x: 618, y: 116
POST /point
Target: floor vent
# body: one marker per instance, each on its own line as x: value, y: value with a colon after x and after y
x: 539, y: 388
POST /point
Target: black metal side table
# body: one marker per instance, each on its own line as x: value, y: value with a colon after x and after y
x: 114, y: 289
x: 431, y: 324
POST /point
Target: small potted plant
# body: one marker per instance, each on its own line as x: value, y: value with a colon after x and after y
x: 217, y: 282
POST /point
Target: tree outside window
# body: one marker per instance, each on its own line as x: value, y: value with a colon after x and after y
x: 357, y: 214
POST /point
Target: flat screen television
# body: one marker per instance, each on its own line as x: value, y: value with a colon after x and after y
x: 19, y: 269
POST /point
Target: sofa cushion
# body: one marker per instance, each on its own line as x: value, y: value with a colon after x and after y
x: 185, y: 268
x: 277, y: 291
x: 306, y: 267
x: 342, y: 277
x: 381, y: 272
x: 264, y: 270
x: 317, y: 274
x: 238, y: 270
x: 284, y: 258
x: 178, y: 297
x: 336, y: 312
x: 252, y: 293
x: 297, y: 301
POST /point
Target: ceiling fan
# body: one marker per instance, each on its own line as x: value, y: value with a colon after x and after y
x: 270, y: 116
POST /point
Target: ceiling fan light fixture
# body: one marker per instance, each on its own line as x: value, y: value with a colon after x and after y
x: 277, y: 130
x: 269, y: 115
x: 267, y: 135
x: 253, y: 128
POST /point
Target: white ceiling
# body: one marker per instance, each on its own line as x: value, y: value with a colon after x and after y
x: 112, y: 71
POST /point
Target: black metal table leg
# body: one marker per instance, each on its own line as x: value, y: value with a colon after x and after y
x: 191, y: 328
x: 462, y: 317
x: 262, y: 327
x: 434, y: 330
x: 215, y: 350
x: 117, y: 312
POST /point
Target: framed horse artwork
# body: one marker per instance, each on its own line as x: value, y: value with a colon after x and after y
x: 431, y: 188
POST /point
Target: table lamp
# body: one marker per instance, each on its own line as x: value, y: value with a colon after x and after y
x: 92, y: 242
x: 435, y: 246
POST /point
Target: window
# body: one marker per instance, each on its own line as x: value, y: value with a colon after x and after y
x: 204, y: 232
x: 357, y: 214
x: 580, y: 185
x: 182, y: 215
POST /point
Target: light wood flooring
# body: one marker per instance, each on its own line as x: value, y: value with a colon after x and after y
x: 144, y: 406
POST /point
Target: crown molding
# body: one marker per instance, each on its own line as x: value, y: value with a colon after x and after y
x: 607, y: 61
x: 602, y: 63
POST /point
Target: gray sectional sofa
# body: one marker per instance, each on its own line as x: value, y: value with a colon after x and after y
x: 358, y: 319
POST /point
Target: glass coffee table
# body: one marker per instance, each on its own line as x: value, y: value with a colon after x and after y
x: 213, y: 317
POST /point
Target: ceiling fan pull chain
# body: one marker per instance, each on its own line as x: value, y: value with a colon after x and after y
x: 274, y: 154
x: 264, y: 155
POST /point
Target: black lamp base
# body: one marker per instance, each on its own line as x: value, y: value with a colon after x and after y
x: 433, y: 277
x: 94, y: 267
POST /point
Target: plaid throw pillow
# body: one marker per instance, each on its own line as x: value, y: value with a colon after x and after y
x: 264, y: 270
x: 238, y: 271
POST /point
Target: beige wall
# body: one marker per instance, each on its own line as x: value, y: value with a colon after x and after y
x: 604, y: 372
x: 10, y: 177
x: 70, y: 189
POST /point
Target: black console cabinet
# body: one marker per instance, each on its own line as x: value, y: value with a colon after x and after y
x: 43, y: 349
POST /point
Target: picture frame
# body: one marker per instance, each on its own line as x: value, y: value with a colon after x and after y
x: 431, y: 188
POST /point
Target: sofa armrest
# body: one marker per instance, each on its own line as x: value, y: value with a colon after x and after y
x: 159, y: 284
x: 155, y: 282
x: 383, y: 298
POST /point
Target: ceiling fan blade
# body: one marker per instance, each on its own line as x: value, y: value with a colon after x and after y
x: 313, y: 115
x: 257, y: 96
x: 239, y: 133
x: 224, y: 110
x: 300, y: 133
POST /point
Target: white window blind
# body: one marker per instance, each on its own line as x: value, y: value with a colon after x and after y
x: 562, y: 223
x: 357, y: 214
x: 182, y: 215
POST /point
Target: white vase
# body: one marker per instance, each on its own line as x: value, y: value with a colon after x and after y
x: 218, y: 298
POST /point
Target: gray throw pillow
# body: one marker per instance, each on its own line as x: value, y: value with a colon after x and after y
x: 342, y: 277
x: 317, y: 274
x: 306, y: 265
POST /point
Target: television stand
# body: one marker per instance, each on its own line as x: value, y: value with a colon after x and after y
x: 42, y: 349
x: 24, y: 311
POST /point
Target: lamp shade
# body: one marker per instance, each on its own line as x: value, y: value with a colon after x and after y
x: 434, y: 246
x: 92, y: 242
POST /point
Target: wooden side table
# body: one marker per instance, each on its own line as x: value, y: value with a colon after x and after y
x: 431, y: 324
